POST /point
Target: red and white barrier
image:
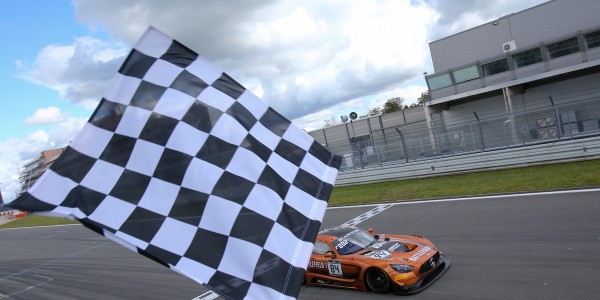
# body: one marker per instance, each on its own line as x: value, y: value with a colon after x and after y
x: 20, y: 215
x: 7, y: 216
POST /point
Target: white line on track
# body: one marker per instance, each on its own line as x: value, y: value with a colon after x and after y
x: 14, y: 275
x: 210, y: 295
x: 381, y: 207
x: 48, y: 279
x: 369, y: 214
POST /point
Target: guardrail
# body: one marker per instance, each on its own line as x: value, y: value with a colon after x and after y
x: 546, y: 153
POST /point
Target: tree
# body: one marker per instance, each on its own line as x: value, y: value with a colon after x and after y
x: 372, y: 112
x: 424, y: 97
x: 392, y: 105
x: 330, y: 122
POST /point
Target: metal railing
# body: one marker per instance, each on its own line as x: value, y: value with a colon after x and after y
x: 479, y: 132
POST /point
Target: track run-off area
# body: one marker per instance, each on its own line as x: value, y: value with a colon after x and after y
x: 520, y: 246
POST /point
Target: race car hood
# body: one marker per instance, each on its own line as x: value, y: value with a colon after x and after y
x: 399, y: 250
x: 391, y: 246
x: 385, y: 249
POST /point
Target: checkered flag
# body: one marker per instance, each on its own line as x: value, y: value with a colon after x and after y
x: 182, y: 164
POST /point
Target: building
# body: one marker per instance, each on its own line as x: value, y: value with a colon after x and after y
x: 527, y: 78
x: 35, y: 168
x: 533, y: 75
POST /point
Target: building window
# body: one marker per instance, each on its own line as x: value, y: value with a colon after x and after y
x: 466, y: 74
x: 438, y: 82
x: 592, y: 39
x: 563, y: 48
x: 495, y: 67
x: 528, y: 57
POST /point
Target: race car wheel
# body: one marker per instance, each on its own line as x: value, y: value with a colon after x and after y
x: 377, y: 281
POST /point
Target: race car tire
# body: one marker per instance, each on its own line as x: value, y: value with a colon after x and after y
x: 377, y: 281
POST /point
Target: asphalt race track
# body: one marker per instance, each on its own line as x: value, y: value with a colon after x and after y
x: 538, y: 246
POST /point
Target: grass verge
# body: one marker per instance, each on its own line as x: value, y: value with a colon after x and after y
x: 32, y: 220
x: 571, y: 175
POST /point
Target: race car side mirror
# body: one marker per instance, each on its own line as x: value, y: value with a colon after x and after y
x: 329, y: 254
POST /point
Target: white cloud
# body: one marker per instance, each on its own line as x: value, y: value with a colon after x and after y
x: 79, y: 72
x: 302, y: 57
x: 15, y: 152
x: 305, y: 56
x: 361, y: 106
x: 45, y: 116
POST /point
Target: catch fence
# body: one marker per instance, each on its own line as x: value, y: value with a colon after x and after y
x: 406, y: 136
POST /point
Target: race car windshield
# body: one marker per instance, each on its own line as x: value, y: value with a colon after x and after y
x: 353, y: 242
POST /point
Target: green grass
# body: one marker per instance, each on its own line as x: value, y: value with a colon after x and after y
x: 538, y: 178
x: 32, y: 220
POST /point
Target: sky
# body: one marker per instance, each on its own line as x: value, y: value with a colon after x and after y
x: 310, y: 60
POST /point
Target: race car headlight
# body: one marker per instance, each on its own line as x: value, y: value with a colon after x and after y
x: 402, y: 268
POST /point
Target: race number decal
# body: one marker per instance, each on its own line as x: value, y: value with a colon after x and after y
x: 335, y: 268
x: 379, y: 254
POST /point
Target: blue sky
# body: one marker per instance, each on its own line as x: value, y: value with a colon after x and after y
x: 311, y: 60
x: 26, y: 28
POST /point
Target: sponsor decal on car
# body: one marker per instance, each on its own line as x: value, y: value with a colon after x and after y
x: 379, y: 254
x: 394, y: 246
x: 349, y: 234
x: 342, y: 243
x: 377, y: 245
x: 316, y: 264
x: 420, y: 253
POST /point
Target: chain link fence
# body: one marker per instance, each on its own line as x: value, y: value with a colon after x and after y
x: 406, y: 136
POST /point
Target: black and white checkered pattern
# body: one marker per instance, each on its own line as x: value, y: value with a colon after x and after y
x: 182, y: 164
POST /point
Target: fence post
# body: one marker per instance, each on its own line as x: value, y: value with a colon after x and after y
x: 480, y: 132
x: 383, y: 133
x: 558, y: 122
x: 403, y: 144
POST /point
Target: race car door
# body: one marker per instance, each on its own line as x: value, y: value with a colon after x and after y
x: 318, y: 262
x: 325, y: 261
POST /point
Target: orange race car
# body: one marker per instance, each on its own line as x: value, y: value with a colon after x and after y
x: 352, y: 258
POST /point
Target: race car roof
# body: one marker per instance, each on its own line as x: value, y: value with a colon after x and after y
x: 337, y: 231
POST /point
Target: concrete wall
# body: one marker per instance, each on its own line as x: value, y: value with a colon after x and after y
x: 337, y: 138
